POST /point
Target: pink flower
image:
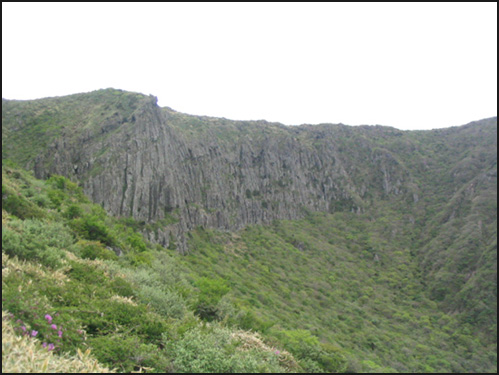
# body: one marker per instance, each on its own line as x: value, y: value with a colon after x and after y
x: 34, y: 333
x: 44, y: 344
x: 23, y: 328
x: 51, y: 347
x: 53, y: 326
x: 277, y: 352
x: 59, y: 333
x: 49, y: 318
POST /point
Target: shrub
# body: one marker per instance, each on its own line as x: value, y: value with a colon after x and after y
x: 211, y: 291
x: 58, y: 182
x: 127, y: 353
x: 112, y: 313
x: 217, y: 350
x: 18, y: 205
x: 95, y: 250
x: 313, y: 355
x: 122, y: 287
x: 41, y: 200
x: 136, y: 241
x: 73, y: 211
x: 139, y: 259
x: 249, y: 321
x: 166, y: 303
x: 91, y: 227
x: 69, y: 187
x: 300, y: 342
x: 56, y: 197
x: 86, y: 273
x: 27, y: 355
x: 37, y: 241
x: 332, y: 359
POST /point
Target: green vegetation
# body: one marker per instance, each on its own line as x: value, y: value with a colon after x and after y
x: 332, y: 292
x: 398, y: 273
x: 338, y: 292
x: 67, y: 294
x: 40, y: 122
x: 24, y: 354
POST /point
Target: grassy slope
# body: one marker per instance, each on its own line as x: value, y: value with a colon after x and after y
x: 30, y: 126
x: 134, y: 312
x: 351, y: 281
x: 339, y: 291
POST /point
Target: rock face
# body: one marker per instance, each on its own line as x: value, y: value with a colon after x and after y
x: 181, y: 171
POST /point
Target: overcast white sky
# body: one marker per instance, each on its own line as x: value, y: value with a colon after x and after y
x: 411, y: 66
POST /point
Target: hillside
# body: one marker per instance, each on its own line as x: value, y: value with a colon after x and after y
x: 70, y: 300
x: 376, y: 244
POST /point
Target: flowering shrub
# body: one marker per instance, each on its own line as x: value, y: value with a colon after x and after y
x: 23, y: 354
x: 49, y: 332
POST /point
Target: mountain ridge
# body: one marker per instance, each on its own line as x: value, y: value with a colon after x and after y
x: 279, y: 171
x: 422, y: 204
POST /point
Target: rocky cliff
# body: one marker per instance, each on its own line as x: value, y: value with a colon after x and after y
x: 181, y: 171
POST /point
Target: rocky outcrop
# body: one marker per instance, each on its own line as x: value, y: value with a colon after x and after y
x: 180, y: 171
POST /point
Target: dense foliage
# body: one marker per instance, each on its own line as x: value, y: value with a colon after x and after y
x: 64, y: 288
x: 334, y: 292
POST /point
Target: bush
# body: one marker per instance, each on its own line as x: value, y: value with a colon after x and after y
x: 95, y: 250
x: 91, y: 227
x: 136, y: 241
x: 64, y: 184
x: 127, y: 353
x: 41, y: 200
x: 18, y: 205
x: 249, y: 321
x: 136, y: 318
x: 56, y: 197
x: 332, y: 358
x: 73, y: 211
x: 140, y: 259
x: 86, y: 273
x: 36, y: 241
x: 217, y: 350
x: 211, y: 291
x: 57, y: 182
x: 300, y: 342
x: 313, y: 355
x: 27, y: 355
x: 122, y: 287
x: 166, y: 303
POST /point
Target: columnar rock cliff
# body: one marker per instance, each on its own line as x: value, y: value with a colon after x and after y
x: 405, y: 241
x: 180, y: 171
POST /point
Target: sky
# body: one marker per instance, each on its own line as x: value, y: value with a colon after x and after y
x: 406, y: 65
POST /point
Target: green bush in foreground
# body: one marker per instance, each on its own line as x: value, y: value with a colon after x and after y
x: 218, y: 350
x: 313, y: 355
x: 37, y: 241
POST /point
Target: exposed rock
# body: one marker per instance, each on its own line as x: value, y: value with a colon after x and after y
x: 158, y: 165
